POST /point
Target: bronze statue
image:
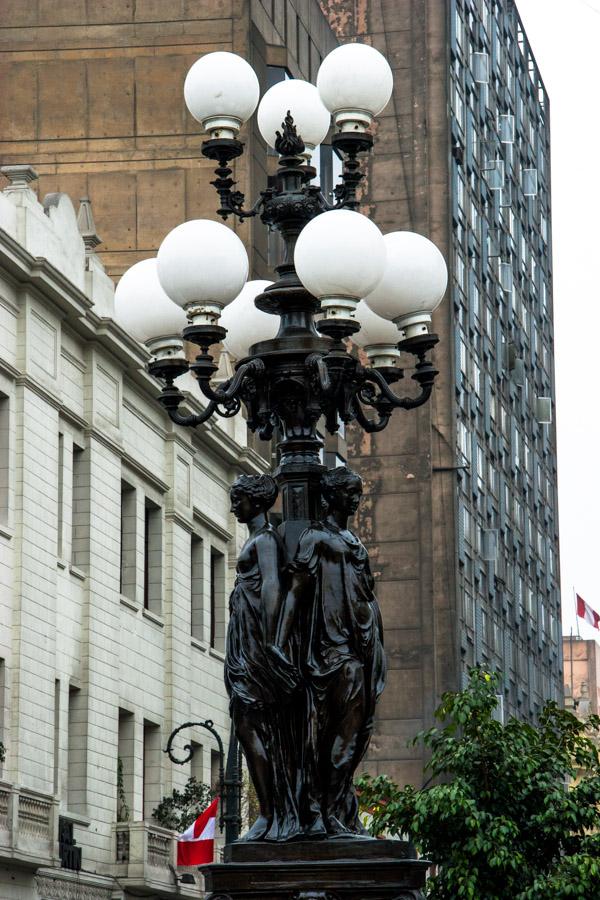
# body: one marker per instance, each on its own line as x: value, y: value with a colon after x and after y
x: 305, y: 665
x: 256, y: 692
x: 333, y: 615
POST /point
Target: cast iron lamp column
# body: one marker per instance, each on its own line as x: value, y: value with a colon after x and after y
x: 340, y: 278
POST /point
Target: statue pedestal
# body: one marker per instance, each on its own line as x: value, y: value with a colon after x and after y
x: 341, y: 869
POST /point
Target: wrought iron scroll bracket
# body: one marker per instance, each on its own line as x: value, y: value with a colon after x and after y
x: 208, y: 725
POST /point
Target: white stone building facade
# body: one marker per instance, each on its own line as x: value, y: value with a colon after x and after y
x: 117, y: 551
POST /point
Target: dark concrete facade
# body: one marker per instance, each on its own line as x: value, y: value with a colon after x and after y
x: 454, y: 596
x: 409, y: 519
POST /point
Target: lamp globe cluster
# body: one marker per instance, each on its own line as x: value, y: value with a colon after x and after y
x: 387, y: 286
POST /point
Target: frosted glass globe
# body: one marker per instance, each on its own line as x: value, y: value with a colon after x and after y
x: 202, y: 265
x: 414, y: 281
x: 221, y: 91
x: 311, y: 118
x: 373, y: 329
x: 355, y: 78
x: 340, y: 257
x: 143, y: 308
x: 378, y: 337
x: 245, y: 324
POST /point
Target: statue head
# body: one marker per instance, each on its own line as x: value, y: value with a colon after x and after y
x: 341, y: 489
x: 251, y: 495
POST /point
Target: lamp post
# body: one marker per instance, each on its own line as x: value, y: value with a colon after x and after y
x: 230, y: 775
x: 340, y: 279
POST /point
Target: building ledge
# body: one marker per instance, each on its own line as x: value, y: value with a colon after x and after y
x: 61, y: 884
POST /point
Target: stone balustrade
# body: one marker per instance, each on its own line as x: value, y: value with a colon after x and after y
x: 146, y: 857
x: 28, y: 826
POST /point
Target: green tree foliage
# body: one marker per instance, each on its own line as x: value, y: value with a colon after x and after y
x: 178, y: 811
x: 123, y: 811
x: 514, y: 811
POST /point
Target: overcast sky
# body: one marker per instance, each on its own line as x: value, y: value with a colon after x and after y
x: 565, y: 39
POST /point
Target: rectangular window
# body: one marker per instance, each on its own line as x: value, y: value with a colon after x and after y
x: 60, y: 513
x: 530, y: 182
x: 152, y: 769
x: 459, y: 270
x: 480, y: 65
x: 215, y: 768
x: 2, y: 703
x: 56, y: 735
x: 495, y: 175
x: 80, y: 515
x: 217, y: 600
x: 506, y: 129
x: 76, y: 751
x: 125, y: 765
x: 469, y: 608
x: 197, y: 587
x: 197, y: 762
x: 4, y: 458
x: 152, y: 557
x: 128, y: 534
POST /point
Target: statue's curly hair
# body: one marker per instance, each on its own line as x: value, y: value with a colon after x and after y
x: 262, y: 489
x: 337, y: 479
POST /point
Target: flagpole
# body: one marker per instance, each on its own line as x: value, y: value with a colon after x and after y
x: 571, y: 652
x: 576, y: 616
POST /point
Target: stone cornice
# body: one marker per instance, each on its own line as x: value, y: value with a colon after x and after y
x: 211, y: 525
x: 130, y: 461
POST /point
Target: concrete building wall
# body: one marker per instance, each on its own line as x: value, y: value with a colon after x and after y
x: 582, y: 675
x: 409, y: 515
x: 83, y: 646
x: 476, y: 466
x: 93, y: 98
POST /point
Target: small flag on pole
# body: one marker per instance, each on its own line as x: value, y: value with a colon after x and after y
x: 195, y: 847
x: 585, y: 611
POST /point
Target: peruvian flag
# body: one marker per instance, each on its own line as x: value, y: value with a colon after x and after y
x: 585, y: 611
x: 196, y: 845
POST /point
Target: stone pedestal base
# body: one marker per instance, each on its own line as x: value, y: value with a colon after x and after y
x: 317, y: 870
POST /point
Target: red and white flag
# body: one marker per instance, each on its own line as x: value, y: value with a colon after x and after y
x: 585, y: 611
x: 196, y: 846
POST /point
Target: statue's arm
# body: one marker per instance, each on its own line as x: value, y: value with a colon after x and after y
x: 269, y: 563
x: 301, y: 584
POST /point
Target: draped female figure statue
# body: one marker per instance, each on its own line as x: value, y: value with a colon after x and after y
x: 332, y: 616
x: 257, y: 692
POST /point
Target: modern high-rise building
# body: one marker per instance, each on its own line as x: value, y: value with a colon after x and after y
x: 462, y: 518
x: 460, y: 515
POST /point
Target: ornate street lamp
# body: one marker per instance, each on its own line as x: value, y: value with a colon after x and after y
x: 340, y: 279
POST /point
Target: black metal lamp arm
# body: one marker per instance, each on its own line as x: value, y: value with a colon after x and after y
x: 254, y: 368
x: 368, y: 425
x: 392, y: 399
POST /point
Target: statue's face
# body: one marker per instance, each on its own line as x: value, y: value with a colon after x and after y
x: 243, y: 507
x: 346, y: 499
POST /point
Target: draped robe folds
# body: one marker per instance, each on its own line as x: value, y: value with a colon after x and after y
x: 253, y: 684
x: 341, y: 656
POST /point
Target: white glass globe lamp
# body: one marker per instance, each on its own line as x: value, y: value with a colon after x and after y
x: 413, y: 284
x: 340, y: 257
x: 221, y: 91
x: 355, y: 83
x: 378, y: 337
x: 147, y: 313
x: 302, y: 100
x: 246, y: 325
x: 202, y: 265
